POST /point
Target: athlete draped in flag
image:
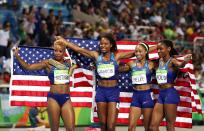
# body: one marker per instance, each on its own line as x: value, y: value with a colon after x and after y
x: 59, y: 72
x: 107, y: 92
x: 142, y: 100
x: 166, y: 73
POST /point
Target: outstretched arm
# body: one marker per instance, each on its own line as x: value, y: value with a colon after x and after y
x: 36, y: 66
x: 125, y: 55
x: 152, y: 48
x: 183, y: 63
x: 85, y: 52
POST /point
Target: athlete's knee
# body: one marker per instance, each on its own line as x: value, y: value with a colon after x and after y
x: 103, y: 126
x: 170, y: 124
x: 111, y: 127
x: 54, y: 129
x: 131, y: 127
x: 70, y: 128
x: 147, y: 127
x: 153, y: 127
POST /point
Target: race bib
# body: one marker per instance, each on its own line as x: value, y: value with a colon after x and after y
x: 161, y: 76
x: 61, y: 76
x: 139, y: 77
x: 106, y: 70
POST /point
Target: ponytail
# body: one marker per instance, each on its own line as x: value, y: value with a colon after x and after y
x: 169, y: 43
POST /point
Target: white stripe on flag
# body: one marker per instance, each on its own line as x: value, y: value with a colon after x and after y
x: 47, y: 88
x: 81, y: 89
x: 30, y: 77
x: 85, y: 71
x: 30, y: 88
x: 44, y: 99
x: 81, y: 99
x: 28, y: 98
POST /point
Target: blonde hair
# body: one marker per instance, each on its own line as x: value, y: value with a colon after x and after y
x: 60, y: 43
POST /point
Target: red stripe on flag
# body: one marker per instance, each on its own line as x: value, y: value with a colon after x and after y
x: 81, y: 94
x: 133, y: 43
x: 44, y: 93
x: 183, y: 93
x: 185, y: 104
x: 30, y: 83
x: 182, y: 83
x: 125, y: 99
x: 81, y: 74
x: 82, y: 84
x: 82, y: 104
x: 184, y: 114
x: 28, y: 103
x: 124, y: 110
x: 29, y: 93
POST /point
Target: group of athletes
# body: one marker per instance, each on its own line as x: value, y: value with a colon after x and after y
x: 107, y: 92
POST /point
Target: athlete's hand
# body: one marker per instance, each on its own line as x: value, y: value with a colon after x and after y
x: 61, y: 39
x: 187, y: 57
x: 15, y: 51
x: 58, y: 37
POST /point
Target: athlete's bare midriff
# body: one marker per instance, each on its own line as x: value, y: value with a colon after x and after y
x: 142, y: 87
x: 108, y: 83
x: 60, y: 89
x: 165, y: 86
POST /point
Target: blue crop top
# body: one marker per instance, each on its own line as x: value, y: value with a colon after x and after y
x: 107, y: 70
x: 141, y: 75
x: 164, y: 74
x: 59, y: 76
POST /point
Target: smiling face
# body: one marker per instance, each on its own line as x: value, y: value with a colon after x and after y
x: 140, y: 52
x: 163, y: 50
x: 59, y: 51
x: 105, y: 45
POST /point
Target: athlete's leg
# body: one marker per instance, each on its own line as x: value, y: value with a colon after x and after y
x: 102, y: 114
x: 147, y: 114
x: 53, y: 113
x: 112, y: 116
x: 157, y: 117
x: 134, y: 115
x: 67, y: 113
x: 170, y: 115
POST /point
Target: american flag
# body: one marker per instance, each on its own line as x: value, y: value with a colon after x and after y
x: 30, y: 88
x: 84, y: 81
x: 185, y: 85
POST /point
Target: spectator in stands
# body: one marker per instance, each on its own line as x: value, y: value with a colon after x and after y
x: 44, y: 39
x: 4, y: 38
x: 35, y: 117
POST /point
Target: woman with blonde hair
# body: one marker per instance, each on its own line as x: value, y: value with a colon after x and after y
x: 58, y: 99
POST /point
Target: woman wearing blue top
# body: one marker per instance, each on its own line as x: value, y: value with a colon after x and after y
x: 59, y: 71
x: 107, y: 92
x: 142, y: 101
x: 166, y: 74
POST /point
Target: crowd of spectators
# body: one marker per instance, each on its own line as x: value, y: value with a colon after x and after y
x: 141, y: 20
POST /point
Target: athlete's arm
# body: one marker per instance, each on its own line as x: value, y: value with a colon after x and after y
x: 35, y: 66
x: 85, y: 52
x: 124, y: 55
x: 183, y: 63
